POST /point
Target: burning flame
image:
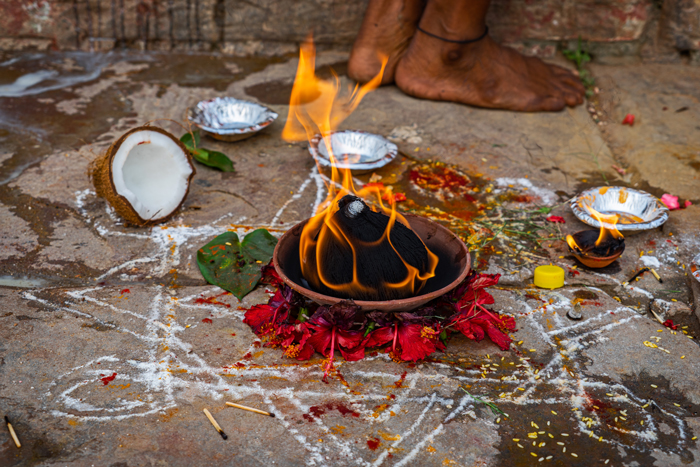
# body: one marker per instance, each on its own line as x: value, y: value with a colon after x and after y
x: 315, y: 107
x: 608, y: 227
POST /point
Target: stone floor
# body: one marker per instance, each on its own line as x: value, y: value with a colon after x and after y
x: 85, y: 297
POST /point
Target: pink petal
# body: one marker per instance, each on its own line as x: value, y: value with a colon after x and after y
x: 670, y: 201
x: 687, y: 203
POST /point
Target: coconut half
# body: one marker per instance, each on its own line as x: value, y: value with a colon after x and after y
x: 145, y: 175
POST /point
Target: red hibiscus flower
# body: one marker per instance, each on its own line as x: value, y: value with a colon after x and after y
x: 475, y: 321
x: 409, y: 341
x: 293, y: 338
x: 263, y: 319
x: 332, y: 328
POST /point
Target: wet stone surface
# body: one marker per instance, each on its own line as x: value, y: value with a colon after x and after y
x: 111, y: 343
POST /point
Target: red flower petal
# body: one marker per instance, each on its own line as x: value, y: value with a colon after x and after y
x: 498, y: 337
x: 358, y: 353
x: 470, y: 329
x: 629, y: 120
x: 320, y: 340
x: 556, y: 219
x: 258, y: 316
x: 380, y: 336
x: 669, y: 324
x: 413, y: 345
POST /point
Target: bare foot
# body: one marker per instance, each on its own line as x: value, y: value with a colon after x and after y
x: 484, y: 74
x: 386, y: 31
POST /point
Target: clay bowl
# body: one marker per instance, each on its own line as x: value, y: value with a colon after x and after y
x: 453, y: 266
x: 591, y: 260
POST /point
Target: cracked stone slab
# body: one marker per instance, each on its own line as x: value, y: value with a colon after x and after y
x: 140, y: 364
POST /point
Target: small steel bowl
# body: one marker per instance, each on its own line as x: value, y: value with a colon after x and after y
x: 453, y: 267
x: 359, y: 151
x: 638, y: 210
x: 229, y: 119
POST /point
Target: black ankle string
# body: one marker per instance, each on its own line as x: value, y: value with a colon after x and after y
x: 468, y: 41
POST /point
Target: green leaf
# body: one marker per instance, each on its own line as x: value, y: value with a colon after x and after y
x: 215, y: 159
x: 233, y: 265
x: 303, y: 315
x: 186, y: 139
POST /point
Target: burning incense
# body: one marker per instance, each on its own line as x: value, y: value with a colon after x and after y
x: 216, y: 425
x: 12, y: 432
x: 349, y: 249
x: 658, y: 278
x: 250, y: 409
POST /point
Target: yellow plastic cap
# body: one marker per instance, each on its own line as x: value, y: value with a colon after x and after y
x: 549, y: 277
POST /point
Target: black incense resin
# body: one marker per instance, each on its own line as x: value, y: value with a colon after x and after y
x: 378, y: 264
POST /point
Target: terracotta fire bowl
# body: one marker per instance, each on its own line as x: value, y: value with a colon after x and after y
x: 590, y: 259
x: 453, y: 266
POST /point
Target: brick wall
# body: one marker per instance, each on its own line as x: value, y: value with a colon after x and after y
x: 661, y: 28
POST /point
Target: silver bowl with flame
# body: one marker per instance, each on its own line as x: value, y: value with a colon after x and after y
x: 638, y: 210
x: 359, y: 151
x: 229, y: 119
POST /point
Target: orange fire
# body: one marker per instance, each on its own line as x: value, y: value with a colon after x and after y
x: 608, y: 227
x: 316, y: 107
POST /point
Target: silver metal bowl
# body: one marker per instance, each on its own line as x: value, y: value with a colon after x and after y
x: 229, y: 119
x: 638, y: 210
x: 359, y: 151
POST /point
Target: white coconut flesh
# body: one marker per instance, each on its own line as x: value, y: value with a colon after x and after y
x: 151, y: 171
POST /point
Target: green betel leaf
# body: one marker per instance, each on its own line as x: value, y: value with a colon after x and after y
x: 186, y: 139
x: 215, y: 159
x: 233, y: 265
x: 200, y: 155
x: 218, y: 160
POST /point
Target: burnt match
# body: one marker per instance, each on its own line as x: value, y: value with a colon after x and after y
x: 12, y: 432
x: 658, y: 278
x: 250, y: 409
x: 216, y: 425
x: 639, y: 273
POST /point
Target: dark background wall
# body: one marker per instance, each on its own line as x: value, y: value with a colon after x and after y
x: 655, y: 29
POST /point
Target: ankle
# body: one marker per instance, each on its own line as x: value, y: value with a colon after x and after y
x: 451, y: 27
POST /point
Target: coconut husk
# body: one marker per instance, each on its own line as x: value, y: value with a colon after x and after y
x: 100, y: 171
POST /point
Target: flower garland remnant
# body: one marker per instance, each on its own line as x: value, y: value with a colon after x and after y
x: 301, y: 327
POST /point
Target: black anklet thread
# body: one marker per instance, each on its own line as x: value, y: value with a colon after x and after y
x: 468, y: 41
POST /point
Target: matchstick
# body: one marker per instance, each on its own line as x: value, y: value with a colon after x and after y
x: 658, y: 278
x: 12, y: 432
x: 639, y: 273
x: 250, y: 409
x: 216, y: 425
x: 656, y: 316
